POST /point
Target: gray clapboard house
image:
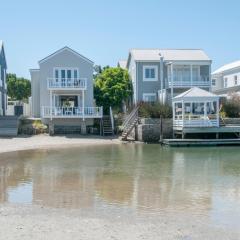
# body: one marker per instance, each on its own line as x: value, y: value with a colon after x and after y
x: 161, y: 74
x: 62, y: 91
x: 3, y: 81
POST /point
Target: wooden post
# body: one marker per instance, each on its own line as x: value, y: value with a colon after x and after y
x: 161, y: 129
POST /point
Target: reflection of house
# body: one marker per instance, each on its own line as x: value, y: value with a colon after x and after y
x: 53, y: 188
x: 62, y: 90
x: 114, y: 187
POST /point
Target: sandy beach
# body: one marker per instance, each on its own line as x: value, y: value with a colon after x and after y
x: 35, y: 222
x: 45, y: 141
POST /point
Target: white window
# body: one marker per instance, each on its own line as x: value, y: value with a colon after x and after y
x: 149, y: 97
x: 150, y: 73
x: 65, y: 73
x: 213, y: 82
x: 235, y: 80
x: 225, y: 84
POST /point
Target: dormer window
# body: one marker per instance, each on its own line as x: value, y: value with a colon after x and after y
x: 150, y: 73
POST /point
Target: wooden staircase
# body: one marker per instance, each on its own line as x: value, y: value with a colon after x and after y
x: 130, y: 122
x: 107, y: 128
x: 8, y: 126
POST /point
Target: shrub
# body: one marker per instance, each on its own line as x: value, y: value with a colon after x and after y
x: 231, y: 107
x: 155, y: 110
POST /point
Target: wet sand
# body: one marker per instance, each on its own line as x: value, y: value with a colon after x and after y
x: 33, y: 222
x: 45, y: 141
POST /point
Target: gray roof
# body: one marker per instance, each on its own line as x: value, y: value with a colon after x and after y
x: 169, y: 54
x: 227, y: 67
x: 69, y: 49
x: 195, y: 92
x: 122, y: 64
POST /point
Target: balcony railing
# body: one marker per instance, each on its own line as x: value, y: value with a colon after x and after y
x: 67, y: 83
x: 72, y: 112
x: 202, y: 81
x: 195, y: 120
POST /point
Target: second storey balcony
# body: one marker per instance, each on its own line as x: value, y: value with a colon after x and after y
x: 185, y: 76
x: 201, y: 81
x: 67, y: 83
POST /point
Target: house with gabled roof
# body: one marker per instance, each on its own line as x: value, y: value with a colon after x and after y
x: 62, y: 91
x: 161, y: 74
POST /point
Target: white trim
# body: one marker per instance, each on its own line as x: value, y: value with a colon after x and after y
x: 155, y: 67
x: 149, y: 95
x: 63, y: 49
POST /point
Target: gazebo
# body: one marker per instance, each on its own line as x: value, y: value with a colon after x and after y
x: 195, y: 108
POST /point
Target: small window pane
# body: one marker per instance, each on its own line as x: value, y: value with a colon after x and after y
x: 63, y: 74
x: 152, y: 73
x: 147, y: 73
x: 56, y: 74
x: 69, y: 74
x: 75, y: 74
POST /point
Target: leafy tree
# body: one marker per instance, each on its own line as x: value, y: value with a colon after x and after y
x: 18, y: 88
x: 112, y: 87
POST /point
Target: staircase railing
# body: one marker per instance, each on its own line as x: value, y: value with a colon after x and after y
x: 112, y: 118
x: 131, y: 116
x: 130, y: 122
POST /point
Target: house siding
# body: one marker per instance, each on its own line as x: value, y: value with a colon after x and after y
x: 147, y: 86
x: 35, y: 86
x: 65, y: 59
x: 230, y: 75
x: 3, y: 86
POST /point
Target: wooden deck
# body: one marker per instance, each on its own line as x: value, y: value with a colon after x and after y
x: 201, y: 142
x: 222, y: 129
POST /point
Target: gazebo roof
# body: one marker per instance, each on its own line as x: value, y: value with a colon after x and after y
x: 196, y: 93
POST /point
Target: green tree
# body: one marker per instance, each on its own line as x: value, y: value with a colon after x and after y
x: 18, y: 88
x: 112, y: 87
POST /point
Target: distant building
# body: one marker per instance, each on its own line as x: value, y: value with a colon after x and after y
x: 3, y: 81
x: 122, y: 64
x: 226, y: 79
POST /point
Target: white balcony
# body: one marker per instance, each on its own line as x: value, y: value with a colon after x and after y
x: 72, y: 112
x: 202, y: 81
x: 67, y: 83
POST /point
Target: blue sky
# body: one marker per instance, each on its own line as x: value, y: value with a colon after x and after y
x: 104, y: 30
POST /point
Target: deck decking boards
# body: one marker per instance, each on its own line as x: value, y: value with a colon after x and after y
x: 201, y: 142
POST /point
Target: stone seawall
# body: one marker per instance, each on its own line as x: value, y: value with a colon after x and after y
x: 149, y: 129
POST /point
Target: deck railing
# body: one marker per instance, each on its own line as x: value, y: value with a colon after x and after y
x: 194, y: 120
x: 202, y: 81
x: 72, y: 112
x: 67, y: 83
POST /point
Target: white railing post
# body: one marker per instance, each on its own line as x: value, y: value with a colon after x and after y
x: 112, y: 119
x: 83, y: 104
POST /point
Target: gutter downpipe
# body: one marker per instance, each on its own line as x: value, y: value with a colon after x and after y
x: 161, y: 77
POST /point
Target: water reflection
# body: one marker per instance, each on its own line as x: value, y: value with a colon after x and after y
x: 136, y: 177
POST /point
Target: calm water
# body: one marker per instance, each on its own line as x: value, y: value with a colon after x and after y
x: 126, y: 179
